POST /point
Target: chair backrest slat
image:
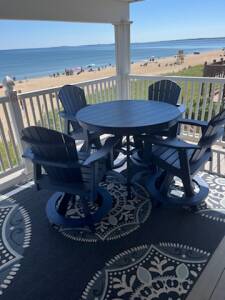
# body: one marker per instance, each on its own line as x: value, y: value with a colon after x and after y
x: 73, y: 99
x: 164, y: 90
x: 53, y: 146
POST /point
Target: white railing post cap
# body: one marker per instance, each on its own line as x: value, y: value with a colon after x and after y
x: 9, y: 84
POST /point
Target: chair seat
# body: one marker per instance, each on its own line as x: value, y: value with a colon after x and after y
x: 168, y: 155
x: 79, y: 135
x: 82, y: 155
x: 69, y: 187
x: 87, y: 172
x: 74, y: 185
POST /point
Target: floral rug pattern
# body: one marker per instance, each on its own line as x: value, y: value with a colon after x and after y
x: 214, y: 205
x: 125, y: 217
x: 167, y: 271
x: 15, y: 229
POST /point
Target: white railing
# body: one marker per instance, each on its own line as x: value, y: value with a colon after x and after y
x: 10, y: 156
x: 201, y: 96
x: 41, y: 108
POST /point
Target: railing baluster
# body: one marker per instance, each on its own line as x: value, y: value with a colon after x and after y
x: 2, y: 168
x: 39, y: 110
x: 93, y: 94
x: 32, y: 110
x: 46, y: 110
x: 185, y: 92
x: 144, y: 89
x: 105, y: 89
x: 220, y: 98
x: 205, y: 102
x: 88, y: 93
x: 114, y: 89
x: 25, y: 110
x: 100, y: 91
x: 211, y: 101
x: 58, y: 108
x: 191, y: 100
x: 130, y: 87
x: 108, y: 90
x: 198, y: 100
x: 5, y: 143
x: 139, y: 90
x: 53, y: 111
x: 11, y: 134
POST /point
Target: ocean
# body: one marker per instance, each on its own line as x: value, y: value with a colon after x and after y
x: 28, y: 63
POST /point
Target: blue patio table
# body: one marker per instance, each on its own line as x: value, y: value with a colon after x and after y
x: 128, y: 118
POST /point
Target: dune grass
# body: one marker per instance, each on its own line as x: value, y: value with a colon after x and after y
x: 195, y: 71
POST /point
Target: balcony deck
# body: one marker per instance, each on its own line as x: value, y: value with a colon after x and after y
x: 178, y: 253
x: 136, y: 251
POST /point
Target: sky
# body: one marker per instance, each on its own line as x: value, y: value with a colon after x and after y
x: 153, y: 20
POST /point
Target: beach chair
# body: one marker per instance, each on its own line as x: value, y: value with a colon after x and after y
x: 72, y: 175
x: 177, y: 158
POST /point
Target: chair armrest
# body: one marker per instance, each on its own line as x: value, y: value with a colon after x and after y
x: 181, y: 108
x: 193, y: 122
x: 170, y: 142
x: 68, y: 117
x: 103, y: 151
x: 28, y: 154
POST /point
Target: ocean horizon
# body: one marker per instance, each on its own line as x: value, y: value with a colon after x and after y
x: 39, y: 62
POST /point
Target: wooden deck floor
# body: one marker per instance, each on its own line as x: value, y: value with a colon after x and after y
x: 211, y: 284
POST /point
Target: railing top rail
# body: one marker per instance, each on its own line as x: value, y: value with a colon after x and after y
x: 176, y: 78
x: 4, y: 99
x: 53, y: 89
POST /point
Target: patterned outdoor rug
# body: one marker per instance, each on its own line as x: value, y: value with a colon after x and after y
x: 125, y: 217
x: 15, y: 229
x: 167, y: 271
x: 136, y: 252
x: 214, y: 206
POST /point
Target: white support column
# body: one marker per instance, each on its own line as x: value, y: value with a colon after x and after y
x: 122, y: 44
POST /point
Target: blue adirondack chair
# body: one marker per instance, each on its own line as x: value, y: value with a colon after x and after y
x: 169, y: 92
x: 73, y: 99
x: 175, y: 157
x: 59, y: 167
x: 163, y: 91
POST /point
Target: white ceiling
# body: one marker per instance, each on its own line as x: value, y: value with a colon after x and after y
x: 100, y: 11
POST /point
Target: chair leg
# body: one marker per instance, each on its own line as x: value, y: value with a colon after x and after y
x: 138, y: 145
x: 87, y: 213
x: 174, y: 131
x: 62, y: 208
x: 165, y: 183
x: 147, y: 153
x: 160, y: 179
x: 97, y: 143
x: 188, y: 186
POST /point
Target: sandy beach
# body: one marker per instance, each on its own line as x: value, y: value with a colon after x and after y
x: 161, y: 66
